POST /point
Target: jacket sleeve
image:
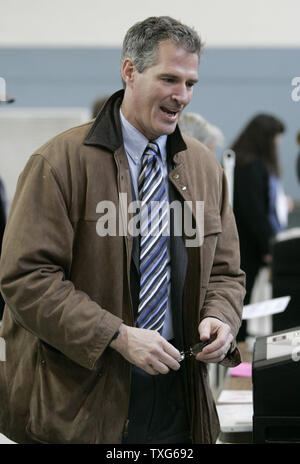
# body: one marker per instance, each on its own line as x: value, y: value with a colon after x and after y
x: 226, y: 284
x: 35, y: 268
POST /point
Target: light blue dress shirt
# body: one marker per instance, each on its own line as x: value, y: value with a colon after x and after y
x: 135, y: 143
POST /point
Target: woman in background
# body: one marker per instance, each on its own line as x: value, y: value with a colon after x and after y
x: 260, y: 205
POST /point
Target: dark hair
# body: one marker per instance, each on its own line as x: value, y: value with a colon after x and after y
x: 141, y: 40
x: 257, y: 141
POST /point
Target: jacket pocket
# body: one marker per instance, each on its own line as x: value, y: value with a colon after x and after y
x: 212, y: 228
x: 62, y: 406
x: 212, y: 223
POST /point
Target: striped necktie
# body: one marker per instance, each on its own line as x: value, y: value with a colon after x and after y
x: 153, y: 298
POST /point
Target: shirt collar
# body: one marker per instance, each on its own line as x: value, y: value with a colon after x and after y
x: 135, y: 142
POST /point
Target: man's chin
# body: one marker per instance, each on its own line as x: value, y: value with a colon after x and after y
x: 167, y: 129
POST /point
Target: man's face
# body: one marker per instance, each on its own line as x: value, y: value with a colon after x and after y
x: 155, y: 98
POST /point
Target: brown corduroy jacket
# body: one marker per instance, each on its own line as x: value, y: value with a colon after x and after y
x: 67, y: 288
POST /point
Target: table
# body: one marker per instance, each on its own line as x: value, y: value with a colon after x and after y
x: 233, y: 430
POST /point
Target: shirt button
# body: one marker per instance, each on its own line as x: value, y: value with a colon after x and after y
x: 183, y: 188
x: 176, y: 176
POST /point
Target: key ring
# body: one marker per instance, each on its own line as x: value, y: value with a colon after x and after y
x: 193, y: 351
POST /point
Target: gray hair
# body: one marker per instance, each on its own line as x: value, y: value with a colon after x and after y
x: 141, y: 40
x: 196, y: 126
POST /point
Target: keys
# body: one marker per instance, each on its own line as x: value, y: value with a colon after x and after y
x: 193, y: 351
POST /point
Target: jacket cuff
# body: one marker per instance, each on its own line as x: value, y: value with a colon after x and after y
x: 233, y: 357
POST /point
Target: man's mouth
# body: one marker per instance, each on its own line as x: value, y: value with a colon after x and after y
x: 170, y: 112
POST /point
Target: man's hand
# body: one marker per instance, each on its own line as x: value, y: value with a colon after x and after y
x: 146, y: 349
x: 219, y: 332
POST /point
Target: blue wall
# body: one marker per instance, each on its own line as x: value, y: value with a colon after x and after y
x: 234, y: 85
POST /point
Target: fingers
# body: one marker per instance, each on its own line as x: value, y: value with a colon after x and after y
x: 217, y: 353
x: 156, y: 368
x: 147, y: 349
x: 171, y: 355
x: 205, y: 330
x: 161, y: 358
x: 222, y: 338
x: 217, y: 350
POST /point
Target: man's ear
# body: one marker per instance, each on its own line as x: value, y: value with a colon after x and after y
x: 128, y: 71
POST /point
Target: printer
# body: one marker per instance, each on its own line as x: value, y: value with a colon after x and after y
x: 276, y: 387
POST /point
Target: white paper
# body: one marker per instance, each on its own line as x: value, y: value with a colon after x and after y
x: 235, y: 417
x: 2, y: 349
x: 266, y: 308
x: 6, y: 441
x: 235, y: 396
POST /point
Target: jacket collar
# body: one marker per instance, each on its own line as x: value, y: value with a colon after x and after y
x: 107, y: 133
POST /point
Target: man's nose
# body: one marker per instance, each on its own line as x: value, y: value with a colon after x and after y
x: 182, y: 95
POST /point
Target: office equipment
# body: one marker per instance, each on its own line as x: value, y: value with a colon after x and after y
x: 34, y: 126
x: 285, y: 277
x: 276, y: 387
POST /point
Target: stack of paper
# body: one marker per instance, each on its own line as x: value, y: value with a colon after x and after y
x: 236, y: 413
x: 266, y: 308
x: 235, y: 417
x: 235, y: 396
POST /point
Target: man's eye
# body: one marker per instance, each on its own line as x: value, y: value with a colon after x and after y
x: 190, y: 84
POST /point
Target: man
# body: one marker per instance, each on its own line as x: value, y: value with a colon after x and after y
x: 2, y: 227
x: 87, y: 359
x: 4, y: 99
